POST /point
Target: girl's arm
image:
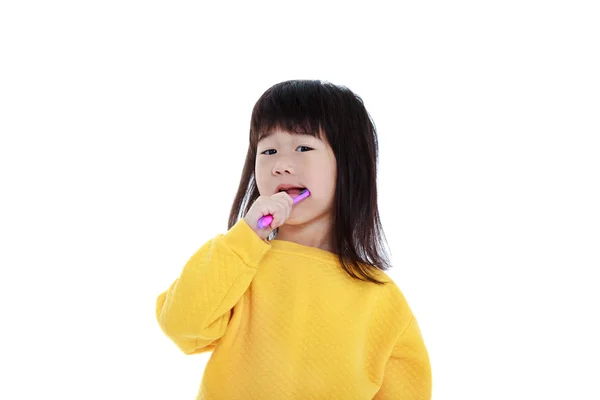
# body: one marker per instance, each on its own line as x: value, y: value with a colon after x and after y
x: 408, y: 371
x: 195, y: 311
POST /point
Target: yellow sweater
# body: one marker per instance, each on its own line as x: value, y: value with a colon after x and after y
x: 284, y: 321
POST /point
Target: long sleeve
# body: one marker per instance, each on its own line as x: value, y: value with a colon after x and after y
x: 408, y: 370
x: 195, y: 310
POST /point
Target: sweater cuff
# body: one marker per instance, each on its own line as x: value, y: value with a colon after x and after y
x: 243, y: 241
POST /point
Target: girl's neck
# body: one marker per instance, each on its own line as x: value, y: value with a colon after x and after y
x: 315, y: 233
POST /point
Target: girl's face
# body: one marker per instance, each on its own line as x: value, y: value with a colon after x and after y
x: 298, y: 160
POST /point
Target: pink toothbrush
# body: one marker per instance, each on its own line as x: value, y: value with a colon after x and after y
x: 266, y: 220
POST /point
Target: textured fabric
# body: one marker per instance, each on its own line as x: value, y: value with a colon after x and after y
x: 284, y: 321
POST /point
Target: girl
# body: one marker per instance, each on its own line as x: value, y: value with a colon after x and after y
x: 301, y: 309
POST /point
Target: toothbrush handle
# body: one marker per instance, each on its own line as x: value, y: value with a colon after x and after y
x: 265, y: 221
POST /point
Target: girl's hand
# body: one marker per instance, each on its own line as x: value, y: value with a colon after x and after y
x: 278, y: 205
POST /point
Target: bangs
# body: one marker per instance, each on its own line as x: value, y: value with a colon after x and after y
x: 294, y: 107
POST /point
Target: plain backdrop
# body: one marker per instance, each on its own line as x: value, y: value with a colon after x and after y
x: 124, y: 127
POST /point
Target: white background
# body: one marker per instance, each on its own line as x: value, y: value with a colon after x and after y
x: 123, y: 133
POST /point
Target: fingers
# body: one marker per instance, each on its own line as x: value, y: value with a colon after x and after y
x: 284, y: 203
x: 279, y: 205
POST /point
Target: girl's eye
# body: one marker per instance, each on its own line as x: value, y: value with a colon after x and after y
x: 306, y: 147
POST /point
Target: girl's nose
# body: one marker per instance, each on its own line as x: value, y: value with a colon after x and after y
x: 283, y: 167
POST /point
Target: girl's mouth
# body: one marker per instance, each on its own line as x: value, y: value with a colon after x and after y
x: 294, y: 192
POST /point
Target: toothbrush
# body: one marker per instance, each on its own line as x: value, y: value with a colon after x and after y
x: 266, y: 220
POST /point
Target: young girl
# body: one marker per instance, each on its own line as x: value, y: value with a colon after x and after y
x: 301, y: 309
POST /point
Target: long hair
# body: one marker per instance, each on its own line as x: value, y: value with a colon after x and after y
x: 318, y: 108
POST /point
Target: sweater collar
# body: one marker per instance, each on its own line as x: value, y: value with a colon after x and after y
x: 300, y: 249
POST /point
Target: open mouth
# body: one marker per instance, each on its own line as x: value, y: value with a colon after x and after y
x: 293, y: 191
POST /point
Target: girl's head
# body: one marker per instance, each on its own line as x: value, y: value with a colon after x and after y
x: 318, y: 135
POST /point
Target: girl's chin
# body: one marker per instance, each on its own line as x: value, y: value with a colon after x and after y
x: 295, y: 220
